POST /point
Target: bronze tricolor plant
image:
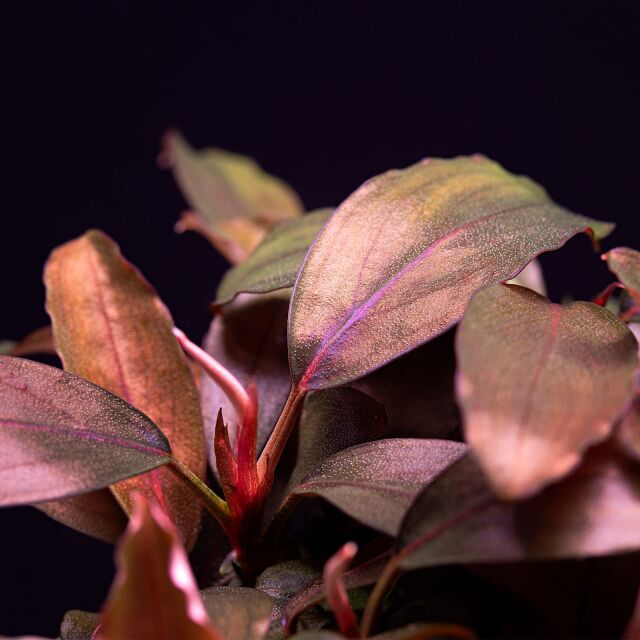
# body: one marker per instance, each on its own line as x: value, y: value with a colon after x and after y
x: 385, y: 395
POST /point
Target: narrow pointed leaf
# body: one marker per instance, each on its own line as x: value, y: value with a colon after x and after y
x: 276, y: 261
x: 539, y: 383
x: 458, y: 519
x: 154, y: 595
x: 97, y: 514
x: 111, y: 328
x: 62, y: 436
x: 625, y: 264
x: 38, y: 341
x: 240, y: 613
x: 417, y: 391
x: 375, y: 483
x: 248, y: 338
x: 401, y: 257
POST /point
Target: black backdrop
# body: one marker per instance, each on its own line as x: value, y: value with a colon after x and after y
x: 324, y: 94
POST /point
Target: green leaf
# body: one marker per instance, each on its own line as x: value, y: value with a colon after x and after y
x: 154, y: 595
x: 625, y: 264
x: 97, y: 514
x: 458, y: 519
x: 417, y: 391
x: 376, y: 482
x: 110, y: 327
x: 248, y: 338
x: 276, y: 261
x: 401, y: 257
x: 539, y: 383
x: 240, y: 613
x: 61, y: 435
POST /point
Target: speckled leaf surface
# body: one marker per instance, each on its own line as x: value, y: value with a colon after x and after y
x: 538, y: 383
x: 110, y: 327
x: 276, y: 261
x: 625, y: 264
x: 97, y: 514
x: 376, y: 482
x: 249, y: 338
x: 401, y: 257
x: 61, y: 435
x: 458, y: 519
x: 240, y: 613
x: 154, y: 594
x: 78, y: 625
x: 333, y: 420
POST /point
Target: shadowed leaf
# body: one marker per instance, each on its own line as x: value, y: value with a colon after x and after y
x: 276, y: 261
x: 38, y: 341
x: 248, y: 338
x: 398, y: 261
x: 538, y: 383
x: 232, y: 197
x: 375, y: 483
x: 61, y: 435
x: 111, y: 328
x: 239, y: 613
x: 417, y: 391
x: 625, y: 264
x: 97, y: 514
x: 154, y: 595
x: 457, y: 518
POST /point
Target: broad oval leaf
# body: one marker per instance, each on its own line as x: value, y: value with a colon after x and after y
x: 457, y: 518
x: 538, y: 383
x: 240, y: 613
x: 276, y: 261
x: 376, y: 482
x: 110, y: 327
x: 154, y: 595
x: 61, y: 435
x: 401, y: 257
x: 248, y: 337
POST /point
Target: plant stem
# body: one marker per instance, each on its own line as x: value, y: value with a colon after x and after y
x: 372, y: 610
x: 216, y: 506
x: 280, y: 435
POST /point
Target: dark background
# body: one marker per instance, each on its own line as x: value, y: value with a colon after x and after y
x: 323, y: 94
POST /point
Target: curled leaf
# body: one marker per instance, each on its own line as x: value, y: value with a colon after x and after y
x: 154, y: 595
x: 276, y: 261
x: 376, y: 482
x: 398, y: 261
x: 62, y: 436
x: 532, y: 380
x: 111, y: 328
x: 625, y: 264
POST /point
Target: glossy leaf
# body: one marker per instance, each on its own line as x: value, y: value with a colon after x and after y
x: 458, y: 519
x: 538, y: 383
x: 276, y: 261
x: 154, y: 595
x: 417, y: 391
x: 97, y: 514
x: 248, y: 338
x: 375, y: 483
x: 625, y: 264
x: 111, y: 328
x: 401, y: 257
x: 61, y: 435
x: 240, y: 613
x: 334, y: 420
